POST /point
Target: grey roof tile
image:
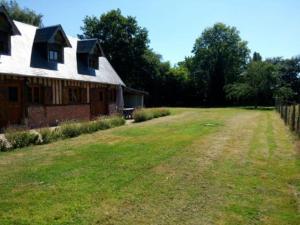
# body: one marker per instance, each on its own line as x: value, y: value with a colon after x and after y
x: 19, y: 62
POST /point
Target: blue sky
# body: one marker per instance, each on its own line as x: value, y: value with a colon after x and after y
x: 271, y: 27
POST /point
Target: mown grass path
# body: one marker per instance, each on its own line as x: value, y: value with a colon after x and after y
x: 198, y: 166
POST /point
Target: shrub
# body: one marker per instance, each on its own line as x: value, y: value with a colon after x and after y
x: 20, y: 139
x: 160, y: 112
x: 89, y: 127
x: 116, y: 121
x: 3, y: 147
x: 70, y: 129
x: 142, y: 115
x: 49, y: 135
x: 148, y: 114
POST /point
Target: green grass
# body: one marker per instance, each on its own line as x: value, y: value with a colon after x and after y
x: 197, y: 166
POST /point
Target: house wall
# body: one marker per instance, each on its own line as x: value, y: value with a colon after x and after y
x: 54, y: 109
x: 39, y: 116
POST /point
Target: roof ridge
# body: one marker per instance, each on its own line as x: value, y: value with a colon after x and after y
x: 57, y: 25
x: 89, y: 39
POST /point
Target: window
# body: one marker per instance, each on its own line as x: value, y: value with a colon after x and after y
x: 34, y: 95
x: 53, y: 56
x: 13, y: 94
x: 74, y: 95
x: 93, y: 62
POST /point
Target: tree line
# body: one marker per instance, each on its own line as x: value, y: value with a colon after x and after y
x: 219, y: 72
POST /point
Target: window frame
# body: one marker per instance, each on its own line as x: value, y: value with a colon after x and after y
x: 32, y: 98
x: 55, y: 53
x: 74, y: 95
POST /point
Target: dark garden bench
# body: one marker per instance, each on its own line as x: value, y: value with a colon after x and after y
x: 128, y: 113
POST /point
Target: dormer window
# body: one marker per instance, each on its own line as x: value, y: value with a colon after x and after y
x: 50, y: 43
x: 94, y: 62
x: 53, y: 56
x: 7, y: 29
x: 4, y: 43
x: 55, y: 53
x: 88, y: 53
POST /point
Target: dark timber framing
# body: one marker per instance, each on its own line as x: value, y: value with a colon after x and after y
x: 48, y: 78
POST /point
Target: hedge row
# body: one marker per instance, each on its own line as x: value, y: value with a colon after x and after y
x: 148, y: 114
x: 19, y: 139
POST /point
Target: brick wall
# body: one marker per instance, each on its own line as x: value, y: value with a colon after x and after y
x: 52, y: 115
x: 112, y: 108
x: 36, y: 116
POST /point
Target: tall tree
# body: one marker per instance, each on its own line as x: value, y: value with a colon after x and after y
x: 124, y: 42
x: 289, y: 70
x: 256, y: 57
x: 220, y: 55
x: 24, y: 15
x: 261, y: 83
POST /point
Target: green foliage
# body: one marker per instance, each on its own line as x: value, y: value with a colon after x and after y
x: 142, y: 115
x: 148, y: 114
x: 3, y: 147
x: 260, y: 81
x: 116, y: 121
x: 256, y: 57
x: 70, y: 129
x: 220, y: 55
x: 49, y: 135
x: 124, y: 42
x: 289, y: 71
x: 24, y: 15
x: 102, y: 124
x: 23, y: 138
x: 126, y: 45
x: 20, y: 139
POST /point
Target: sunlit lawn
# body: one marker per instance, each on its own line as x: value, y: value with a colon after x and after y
x: 197, y: 166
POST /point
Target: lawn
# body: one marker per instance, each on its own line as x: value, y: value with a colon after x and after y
x: 197, y: 166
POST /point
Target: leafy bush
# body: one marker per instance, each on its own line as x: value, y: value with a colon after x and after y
x: 89, y: 127
x: 70, y: 129
x: 148, y: 114
x: 116, y: 121
x: 23, y: 138
x: 142, y: 115
x: 102, y: 124
x: 160, y: 112
x: 49, y: 135
x: 20, y: 139
x: 3, y: 147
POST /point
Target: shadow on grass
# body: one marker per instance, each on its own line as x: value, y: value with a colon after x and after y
x: 262, y: 108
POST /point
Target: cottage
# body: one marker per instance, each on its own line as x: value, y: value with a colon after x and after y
x: 47, y: 77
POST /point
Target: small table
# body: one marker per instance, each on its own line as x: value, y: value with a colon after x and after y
x: 128, y: 113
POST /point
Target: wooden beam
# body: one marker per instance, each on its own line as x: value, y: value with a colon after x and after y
x: 53, y: 91
x: 88, y: 93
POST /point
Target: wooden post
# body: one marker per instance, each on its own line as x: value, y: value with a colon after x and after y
x: 293, y: 117
x: 298, y: 119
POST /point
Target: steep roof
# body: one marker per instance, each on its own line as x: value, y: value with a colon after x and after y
x: 14, y: 29
x: 46, y: 34
x: 87, y: 46
x: 19, y: 62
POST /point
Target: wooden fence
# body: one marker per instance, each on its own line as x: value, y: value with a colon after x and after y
x: 291, y: 116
